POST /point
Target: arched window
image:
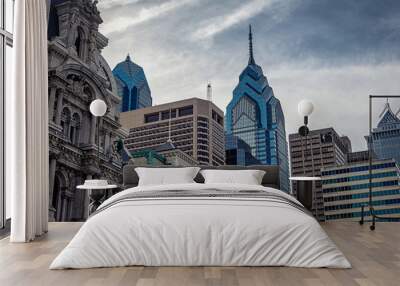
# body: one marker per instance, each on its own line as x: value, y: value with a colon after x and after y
x: 88, y: 92
x: 75, y: 128
x: 65, y: 121
x: 79, y: 43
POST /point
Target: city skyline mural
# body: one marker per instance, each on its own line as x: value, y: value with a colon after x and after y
x: 334, y: 53
x: 222, y: 89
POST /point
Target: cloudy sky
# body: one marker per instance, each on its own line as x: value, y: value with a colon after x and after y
x: 334, y: 53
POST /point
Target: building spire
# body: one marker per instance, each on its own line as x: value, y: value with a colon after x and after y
x: 251, y: 58
x: 128, y: 58
x: 209, y: 91
x: 386, y: 108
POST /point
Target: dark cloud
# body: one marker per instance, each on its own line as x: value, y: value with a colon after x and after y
x: 334, y: 52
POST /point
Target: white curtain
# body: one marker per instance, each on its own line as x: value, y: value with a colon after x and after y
x: 27, y: 123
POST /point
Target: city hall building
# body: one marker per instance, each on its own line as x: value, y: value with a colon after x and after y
x: 195, y: 126
x: 79, y: 74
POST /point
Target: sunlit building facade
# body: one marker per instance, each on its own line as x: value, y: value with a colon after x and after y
x: 255, y: 116
x: 132, y: 85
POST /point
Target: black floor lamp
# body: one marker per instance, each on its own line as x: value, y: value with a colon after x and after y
x: 370, y: 156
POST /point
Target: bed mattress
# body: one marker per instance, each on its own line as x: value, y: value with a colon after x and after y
x: 201, y: 225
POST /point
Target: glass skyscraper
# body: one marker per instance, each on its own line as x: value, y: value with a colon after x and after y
x: 132, y: 85
x: 385, y: 139
x: 255, y: 116
x: 238, y: 152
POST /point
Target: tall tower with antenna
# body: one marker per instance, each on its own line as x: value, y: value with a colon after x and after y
x: 254, y: 118
x: 209, y: 92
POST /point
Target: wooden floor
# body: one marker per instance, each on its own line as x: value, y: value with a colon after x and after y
x: 375, y: 257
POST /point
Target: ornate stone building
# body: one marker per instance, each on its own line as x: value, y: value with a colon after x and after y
x: 78, y: 74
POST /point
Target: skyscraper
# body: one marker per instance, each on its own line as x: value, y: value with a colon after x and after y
x: 321, y: 148
x: 132, y: 85
x: 385, y: 139
x: 255, y: 116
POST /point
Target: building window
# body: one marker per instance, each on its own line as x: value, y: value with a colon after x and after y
x: 152, y: 117
x: 65, y: 122
x: 217, y: 117
x: 6, y: 44
x: 80, y: 43
x: 165, y: 114
x: 185, y: 111
x: 75, y: 128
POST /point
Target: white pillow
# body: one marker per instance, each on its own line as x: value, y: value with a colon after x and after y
x: 166, y: 176
x: 247, y: 177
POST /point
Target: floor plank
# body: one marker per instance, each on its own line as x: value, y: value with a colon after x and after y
x: 375, y: 257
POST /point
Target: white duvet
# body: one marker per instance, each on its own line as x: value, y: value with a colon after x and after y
x: 200, y: 231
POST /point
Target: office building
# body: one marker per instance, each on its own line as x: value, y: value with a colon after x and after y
x: 346, y: 189
x: 385, y: 139
x: 255, y: 116
x: 194, y: 126
x: 238, y: 152
x: 132, y: 85
x: 308, y: 155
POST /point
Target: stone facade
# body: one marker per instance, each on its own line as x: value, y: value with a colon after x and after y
x: 78, y: 74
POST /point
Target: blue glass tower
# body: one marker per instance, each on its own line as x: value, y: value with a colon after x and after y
x: 132, y: 85
x: 255, y: 116
x: 385, y: 139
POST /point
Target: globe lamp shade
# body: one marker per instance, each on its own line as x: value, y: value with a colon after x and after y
x: 305, y: 107
x: 98, y: 107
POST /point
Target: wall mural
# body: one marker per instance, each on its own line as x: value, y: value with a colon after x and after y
x: 247, y: 123
x: 78, y: 74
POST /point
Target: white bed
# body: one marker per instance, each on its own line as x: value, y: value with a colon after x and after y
x: 185, y: 230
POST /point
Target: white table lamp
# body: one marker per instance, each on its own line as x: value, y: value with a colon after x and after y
x: 98, y: 108
x: 305, y: 108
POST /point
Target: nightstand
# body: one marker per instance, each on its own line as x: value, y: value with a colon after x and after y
x: 96, y: 194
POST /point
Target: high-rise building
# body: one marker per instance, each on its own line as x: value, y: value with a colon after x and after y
x: 255, y: 116
x: 195, y: 126
x: 132, y: 85
x: 346, y: 188
x: 238, y: 152
x: 385, y: 139
x: 308, y: 155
